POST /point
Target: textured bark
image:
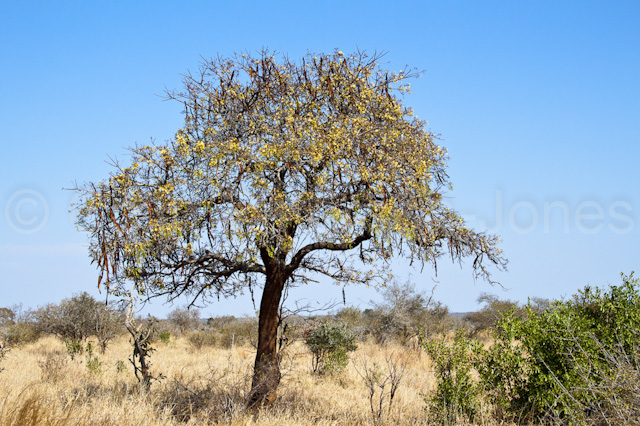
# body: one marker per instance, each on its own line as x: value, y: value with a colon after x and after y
x: 266, y: 375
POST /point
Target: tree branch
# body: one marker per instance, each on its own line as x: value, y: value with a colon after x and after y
x: 325, y: 245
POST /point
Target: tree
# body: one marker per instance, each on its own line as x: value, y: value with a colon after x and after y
x: 282, y: 170
x: 76, y: 319
x: 184, y: 319
x: 406, y: 314
x: 495, y: 309
x: 7, y: 317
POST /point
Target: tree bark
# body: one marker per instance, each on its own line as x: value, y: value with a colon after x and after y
x: 266, y: 373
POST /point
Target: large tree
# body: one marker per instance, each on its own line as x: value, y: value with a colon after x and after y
x: 282, y: 171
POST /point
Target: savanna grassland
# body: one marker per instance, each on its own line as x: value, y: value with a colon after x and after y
x: 41, y: 385
x: 403, y: 362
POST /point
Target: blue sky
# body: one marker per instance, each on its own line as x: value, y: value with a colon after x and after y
x: 538, y: 103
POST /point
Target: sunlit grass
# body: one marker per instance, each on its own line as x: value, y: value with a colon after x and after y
x: 43, y: 386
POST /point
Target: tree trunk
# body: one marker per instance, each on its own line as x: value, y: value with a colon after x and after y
x: 266, y: 373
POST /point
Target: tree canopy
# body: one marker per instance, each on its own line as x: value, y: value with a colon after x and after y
x: 286, y: 170
x: 298, y: 162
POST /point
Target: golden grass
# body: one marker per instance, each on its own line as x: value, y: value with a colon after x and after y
x: 42, y: 386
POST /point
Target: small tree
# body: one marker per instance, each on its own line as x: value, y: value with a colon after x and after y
x: 17, y: 326
x: 109, y: 323
x: 72, y: 320
x: 282, y: 171
x: 330, y: 345
x: 405, y: 313
x: 184, y: 319
x: 492, y: 311
x: 76, y: 319
x: 7, y: 317
x: 142, y: 333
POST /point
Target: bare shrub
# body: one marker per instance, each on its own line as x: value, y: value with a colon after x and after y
x: 184, y: 319
x: 53, y: 366
x: 241, y: 331
x: 406, y: 313
x: 609, y: 393
x: 141, y: 336
x: 217, y: 397
x: 7, y: 316
x: 354, y: 319
x: 76, y: 319
x: 3, y: 353
x: 109, y: 323
x: 382, y: 382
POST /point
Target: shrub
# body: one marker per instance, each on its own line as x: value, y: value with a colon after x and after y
x: 404, y: 314
x: 504, y: 369
x: 74, y: 320
x: 3, y: 353
x: 120, y: 367
x: 17, y: 327
x: 7, y: 317
x: 456, y: 396
x: 184, y: 319
x: 548, y: 361
x: 232, y: 331
x: 382, y: 382
x: 221, y: 321
x: 613, y: 389
x: 109, y: 323
x: 73, y: 347
x: 93, y: 363
x: 354, y: 319
x: 330, y: 345
x: 53, y: 366
x: 494, y: 309
x: 240, y: 331
x: 200, y: 339
x: 20, y: 333
x: 164, y: 336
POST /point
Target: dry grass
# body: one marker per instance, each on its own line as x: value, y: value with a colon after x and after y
x: 42, y: 386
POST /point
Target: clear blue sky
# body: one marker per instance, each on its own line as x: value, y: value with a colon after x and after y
x: 538, y: 103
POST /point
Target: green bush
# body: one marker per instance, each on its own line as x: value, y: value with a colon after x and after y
x: 120, y: 366
x: 330, y: 345
x: 165, y: 337
x: 550, y: 360
x: 456, y: 397
x: 73, y: 347
x: 504, y: 369
x: 93, y: 363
